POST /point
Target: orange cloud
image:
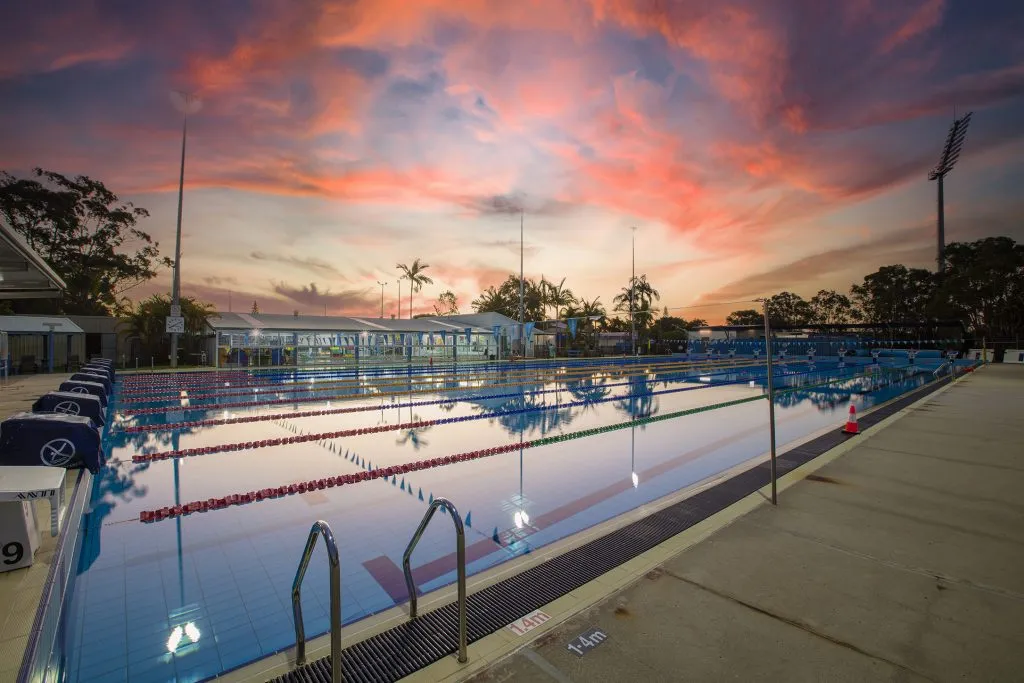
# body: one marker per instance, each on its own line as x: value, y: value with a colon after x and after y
x: 417, y: 186
x: 723, y: 125
x: 926, y: 17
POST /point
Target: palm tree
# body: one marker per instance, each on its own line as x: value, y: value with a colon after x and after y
x: 146, y: 324
x: 592, y: 308
x: 545, y: 295
x: 637, y: 298
x: 586, y: 310
x: 559, y: 295
x: 491, y: 299
x: 414, y: 274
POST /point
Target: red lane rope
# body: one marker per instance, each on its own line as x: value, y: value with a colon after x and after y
x: 280, y: 441
x: 245, y: 419
x: 234, y: 499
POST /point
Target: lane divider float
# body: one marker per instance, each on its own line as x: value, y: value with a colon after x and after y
x: 246, y: 419
x: 257, y: 495
x: 213, y: 391
x: 340, y: 397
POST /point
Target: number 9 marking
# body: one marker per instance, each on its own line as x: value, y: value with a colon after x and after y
x: 13, y: 552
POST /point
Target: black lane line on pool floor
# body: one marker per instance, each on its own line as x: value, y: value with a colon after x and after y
x: 417, y: 643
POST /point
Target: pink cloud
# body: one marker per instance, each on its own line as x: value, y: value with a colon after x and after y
x: 925, y: 18
x: 729, y: 124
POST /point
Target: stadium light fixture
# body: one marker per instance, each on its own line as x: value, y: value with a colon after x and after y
x: 950, y: 154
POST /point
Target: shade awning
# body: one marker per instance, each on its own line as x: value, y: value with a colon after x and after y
x: 23, y: 273
x: 37, y: 324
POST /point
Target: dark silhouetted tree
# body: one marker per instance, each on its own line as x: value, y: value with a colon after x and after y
x: 747, y: 316
x: 86, y: 234
x: 829, y: 307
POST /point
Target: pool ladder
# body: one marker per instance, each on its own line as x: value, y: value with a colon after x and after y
x: 321, y: 528
x: 460, y: 549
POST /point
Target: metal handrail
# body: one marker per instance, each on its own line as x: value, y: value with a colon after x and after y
x: 320, y: 528
x: 460, y: 542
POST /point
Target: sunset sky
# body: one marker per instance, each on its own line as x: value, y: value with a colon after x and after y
x: 757, y: 145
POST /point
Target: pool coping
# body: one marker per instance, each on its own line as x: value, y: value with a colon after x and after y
x: 501, y: 644
x: 281, y: 664
x: 69, y: 534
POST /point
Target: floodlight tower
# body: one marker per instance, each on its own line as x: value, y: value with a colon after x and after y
x: 950, y: 154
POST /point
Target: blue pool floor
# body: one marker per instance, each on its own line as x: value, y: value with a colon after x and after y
x: 228, y: 573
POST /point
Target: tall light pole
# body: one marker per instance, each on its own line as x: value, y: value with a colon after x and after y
x: 522, y: 286
x: 187, y: 104
x: 399, y: 283
x: 950, y: 154
x: 632, y: 289
x: 381, y: 298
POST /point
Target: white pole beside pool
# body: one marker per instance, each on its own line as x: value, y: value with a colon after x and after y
x: 771, y: 395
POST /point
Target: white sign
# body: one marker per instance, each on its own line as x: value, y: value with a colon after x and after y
x: 175, y: 324
x: 528, y: 623
x: 175, y: 311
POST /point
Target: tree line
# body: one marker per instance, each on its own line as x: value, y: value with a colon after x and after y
x: 94, y: 241
x: 982, y: 288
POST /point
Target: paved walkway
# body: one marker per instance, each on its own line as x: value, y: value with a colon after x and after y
x: 18, y: 393
x: 20, y: 589
x: 901, y: 560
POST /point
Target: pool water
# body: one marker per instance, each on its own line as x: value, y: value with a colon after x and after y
x: 193, y: 596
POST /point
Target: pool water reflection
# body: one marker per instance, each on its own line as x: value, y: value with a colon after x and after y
x: 188, y: 598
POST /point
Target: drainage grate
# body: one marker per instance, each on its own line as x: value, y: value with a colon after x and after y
x: 406, y: 648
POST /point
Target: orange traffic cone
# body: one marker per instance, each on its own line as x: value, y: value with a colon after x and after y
x: 851, y: 422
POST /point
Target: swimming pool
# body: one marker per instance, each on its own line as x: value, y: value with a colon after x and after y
x: 188, y: 596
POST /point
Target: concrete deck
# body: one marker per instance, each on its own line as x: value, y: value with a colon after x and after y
x: 21, y: 589
x: 900, y: 560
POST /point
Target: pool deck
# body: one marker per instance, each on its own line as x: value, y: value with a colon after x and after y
x: 21, y: 589
x: 897, y: 556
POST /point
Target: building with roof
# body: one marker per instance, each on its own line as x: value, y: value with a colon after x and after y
x: 105, y: 336
x: 31, y: 341
x: 23, y: 273
x: 36, y: 343
x: 241, y: 339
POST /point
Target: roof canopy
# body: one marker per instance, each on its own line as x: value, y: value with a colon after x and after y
x: 480, y: 322
x: 836, y: 328
x: 23, y: 273
x: 37, y: 324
